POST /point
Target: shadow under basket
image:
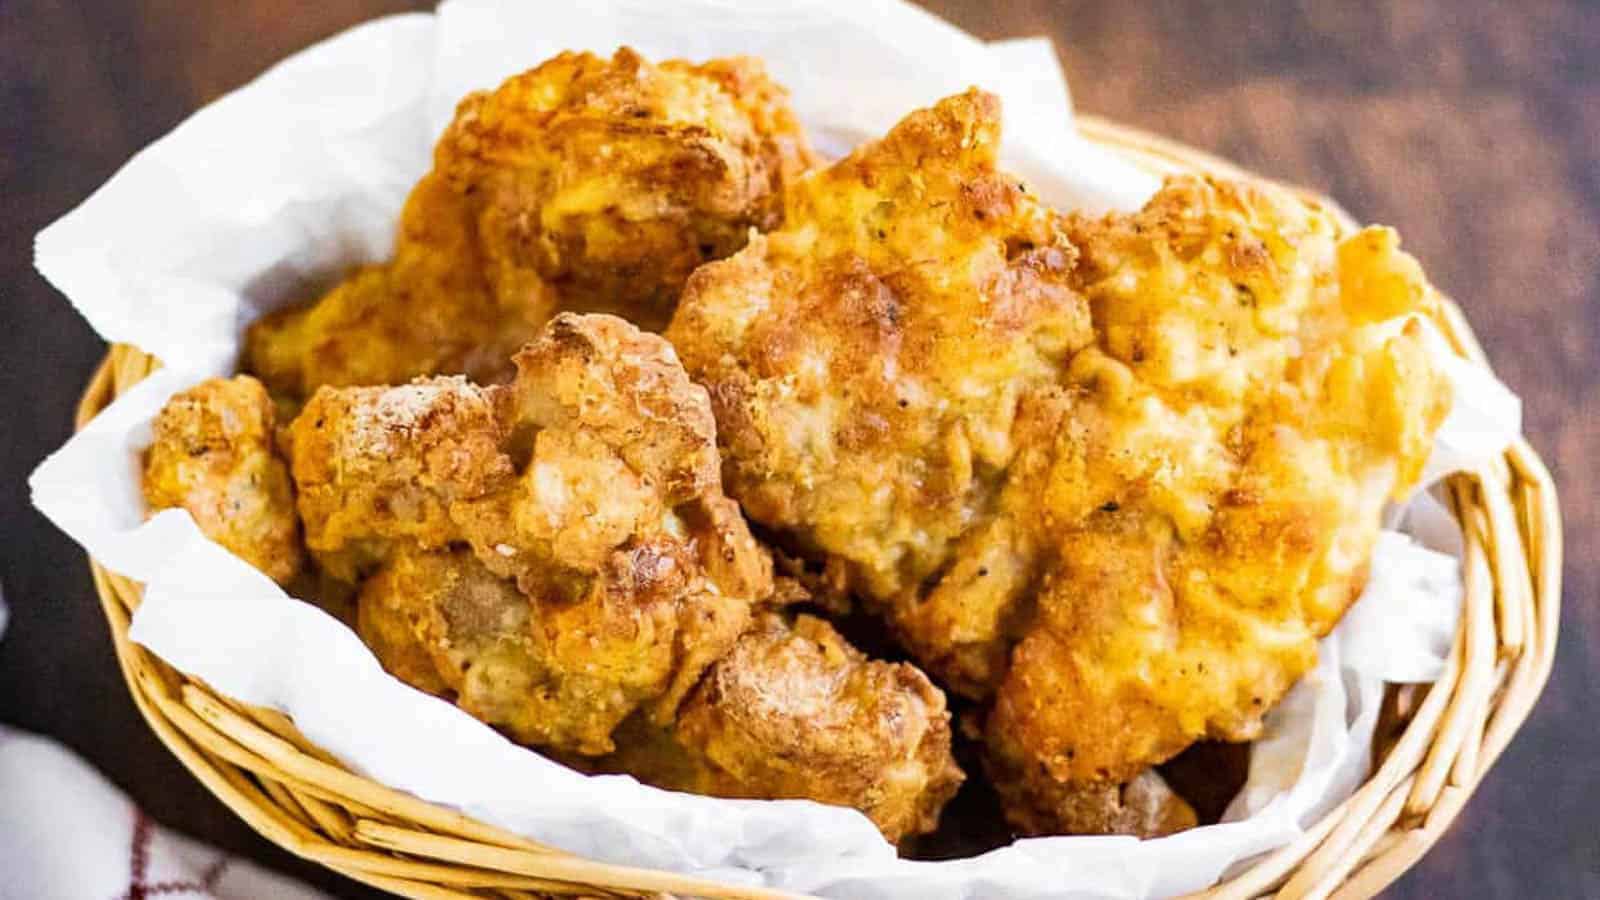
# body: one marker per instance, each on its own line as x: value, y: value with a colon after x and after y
x: 1433, y: 746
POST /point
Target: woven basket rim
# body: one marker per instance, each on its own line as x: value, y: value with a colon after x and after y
x: 299, y: 797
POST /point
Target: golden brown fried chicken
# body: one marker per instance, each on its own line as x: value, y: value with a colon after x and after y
x: 213, y: 455
x: 399, y: 615
x: 1117, y: 475
x: 612, y: 180
x: 1144, y: 806
x: 550, y: 671
x: 796, y: 712
x: 585, y: 184
x: 617, y: 443
x: 380, y: 466
x: 866, y: 363
x: 587, y: 495
x: 617, y: 526
x: 430, y: 310
x: 1251, y: 406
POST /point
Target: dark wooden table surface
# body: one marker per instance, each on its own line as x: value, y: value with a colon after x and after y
x: 1472, y: 127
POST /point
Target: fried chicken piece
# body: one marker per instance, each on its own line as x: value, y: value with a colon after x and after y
x: 604, y: 577
x: 1144, y: 806
x: 584, y: 184
x: 1251, y: 407
x: 213, y: 455
x: 430, y: 310
x: 796, y: 712
x: 616, y: 439
x: 614, y: 179
x: 404, y: 600
x: 617, y: 523
x: 549, y: 671
x: 377, y: 466
x: 866, y: 363
x: 1117, y: 476
x: 586, y: 493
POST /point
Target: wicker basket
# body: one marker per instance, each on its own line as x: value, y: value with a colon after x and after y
x: 1445, y: 737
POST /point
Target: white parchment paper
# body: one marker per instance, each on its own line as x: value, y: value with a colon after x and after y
x: 267, y: 194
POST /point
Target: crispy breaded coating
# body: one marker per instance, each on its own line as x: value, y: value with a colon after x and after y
x: 1144, y: 806
x: 584, y: 184
x: 620, y: 440
x: 796, y: 712
x: 1251, y: 406
x: 213, y: 455
x: 397, y: 606
x: 617, y: 515
x: 1117, y: 475
x: 374, y: 466
x: 430, y: 310
x: 614, y: 179
x: 550, y: 671
x: 585, y: 495
x: 866, y: 363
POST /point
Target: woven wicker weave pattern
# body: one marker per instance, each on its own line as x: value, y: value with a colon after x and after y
x: 1451, y: 732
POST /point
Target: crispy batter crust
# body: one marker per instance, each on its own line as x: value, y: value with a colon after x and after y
x: 613, y: 179
x: 1216, y: 488
x: 795, y: 712
x: 550, y: 671
x: 377, y: 466
x: 577, y: 508
x: 867, y: 362
x: 213, y: 455
x: 584, y: 184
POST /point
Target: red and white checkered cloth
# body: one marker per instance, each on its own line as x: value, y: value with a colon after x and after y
x: 67, y: 833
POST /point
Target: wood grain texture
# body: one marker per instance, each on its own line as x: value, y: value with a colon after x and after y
x: 1473, y: 128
